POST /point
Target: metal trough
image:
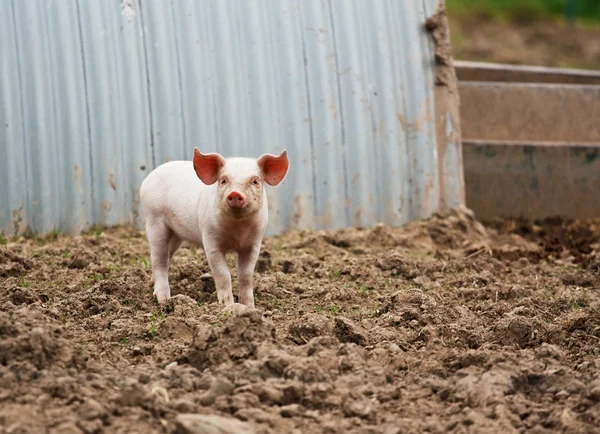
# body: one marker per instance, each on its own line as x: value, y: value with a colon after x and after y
x: 531, y: 141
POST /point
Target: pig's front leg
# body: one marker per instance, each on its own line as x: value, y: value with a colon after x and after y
x: 159, y: 237
x: 246, y: 263
x: 217, y: 262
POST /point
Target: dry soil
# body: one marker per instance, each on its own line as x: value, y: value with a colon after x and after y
x: 444, y: 325
x: 545, y: 43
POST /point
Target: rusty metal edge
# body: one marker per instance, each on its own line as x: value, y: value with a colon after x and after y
x: 484, y: 71
x: 534, y: 143
x: 447, y: 112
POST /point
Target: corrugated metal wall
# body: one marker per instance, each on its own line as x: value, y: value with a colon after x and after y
x: 97, y: 93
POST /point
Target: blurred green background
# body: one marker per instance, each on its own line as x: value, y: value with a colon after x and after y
x: 521, y: 11
x: 559, y: 33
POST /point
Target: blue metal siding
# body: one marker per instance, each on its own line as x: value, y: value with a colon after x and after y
x: 93, y: 99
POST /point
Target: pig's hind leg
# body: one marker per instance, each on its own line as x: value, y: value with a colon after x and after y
x: 159, y: 238
x: 174, y: 245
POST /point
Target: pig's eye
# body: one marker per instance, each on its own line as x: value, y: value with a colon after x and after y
x: 255, y: 181
x: 223, y: 181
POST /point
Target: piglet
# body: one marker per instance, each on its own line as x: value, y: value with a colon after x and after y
x: 219, y: 204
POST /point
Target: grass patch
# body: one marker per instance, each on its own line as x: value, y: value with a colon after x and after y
x: 95, y: 230
x: 52, y: 235
x: 524, y: 12
x: 144, y: 261
x: 364, y: 290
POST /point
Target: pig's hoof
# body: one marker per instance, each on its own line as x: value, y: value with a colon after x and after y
x: 234, y: 309
x: 161, y: 297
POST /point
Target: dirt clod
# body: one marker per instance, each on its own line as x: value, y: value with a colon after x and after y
x: 309, y: 327
x: 219, y: 387
x: 347, y: 331
x: 208, y: 424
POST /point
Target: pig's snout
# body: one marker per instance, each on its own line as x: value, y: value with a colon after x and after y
x: 236, y: 200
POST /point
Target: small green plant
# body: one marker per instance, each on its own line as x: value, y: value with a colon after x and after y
x: 157, y: 315
x: 363, y: 291
x: 95, y: 230
x: 125, y: 341
x: 318, y: 309
x: 334, y: 309
x: 50, y: 302
x: 337, y: 274
x: 154, y: 317
x: 24, y: 283
x: 144, y: 262
x: 3, y: 239
x: 52, y: 235
x: 99, y: 276
x: 274, y: 302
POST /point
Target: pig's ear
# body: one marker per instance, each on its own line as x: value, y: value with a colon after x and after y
x: 274, y: 168
x: 207, y: 166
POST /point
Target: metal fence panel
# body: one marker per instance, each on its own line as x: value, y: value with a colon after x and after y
x: 95, y: 94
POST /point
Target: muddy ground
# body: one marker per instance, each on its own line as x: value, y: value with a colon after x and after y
x: 444, y: 325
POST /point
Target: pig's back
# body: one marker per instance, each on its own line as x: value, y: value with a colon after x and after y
x: 171, y: 193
